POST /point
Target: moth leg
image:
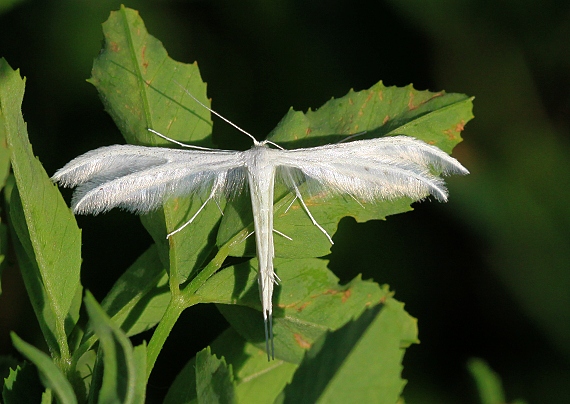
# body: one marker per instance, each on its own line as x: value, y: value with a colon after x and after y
x: 192, y: 218
x: 218, y: 205
x: 298, y: 196
x: 291, y: 204
x: 283, y: 235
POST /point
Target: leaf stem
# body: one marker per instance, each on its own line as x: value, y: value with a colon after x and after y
x: 182, y: 299
x: 173, y: 311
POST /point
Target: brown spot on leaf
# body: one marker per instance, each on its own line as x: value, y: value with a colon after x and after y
x: 346, y: 295
x: 331, y: 292
x: 451, y: 134
x: 460, y: 126
x: 145, y: 62
x: 386, y: 119
x: 411, y: 105
x: 308, y: 131
x: 114, y: 47
x: 301, y: 341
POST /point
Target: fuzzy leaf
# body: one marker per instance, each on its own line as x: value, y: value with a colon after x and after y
x: 49, y: 241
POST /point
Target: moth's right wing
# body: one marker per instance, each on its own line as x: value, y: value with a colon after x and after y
x: 140, y: 179
x: 371, y: 170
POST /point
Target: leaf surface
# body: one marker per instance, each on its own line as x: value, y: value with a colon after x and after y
x: 120, y: 369
x: 360, y: 362
x: 436, y: 118
x: 50, y: 374
x: 214, y: 379
x: 49, y: 241
x: 310, y: 302
x: 142, y: 87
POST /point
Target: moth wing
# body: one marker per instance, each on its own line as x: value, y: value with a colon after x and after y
x: 140, y: 179
x: 374, y: 169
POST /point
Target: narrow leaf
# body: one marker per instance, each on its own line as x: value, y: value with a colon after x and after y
x: 488, y: 383
x: 50, y: 374
x: 46, y: 228
x: 121, y: 379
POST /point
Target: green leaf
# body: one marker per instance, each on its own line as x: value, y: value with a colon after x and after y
x: 183, y: 389
x: 310, y: 302
x: 256, y: 380
x: 139, y: 297
x: 22, y: 386
x: 49, y: 247
x: 488, y: 383
x: 120, y: 371
x: 3, y: 249
x: 142, y: 88
x: 50, y: 374
x: 436, y: 118
x: 360, y: 362
x: 214, y: 379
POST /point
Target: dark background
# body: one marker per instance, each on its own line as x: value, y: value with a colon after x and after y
x: 487, y: 274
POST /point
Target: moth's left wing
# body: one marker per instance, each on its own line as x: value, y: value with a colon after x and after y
x: 375, y: 169
x: 140, y: 179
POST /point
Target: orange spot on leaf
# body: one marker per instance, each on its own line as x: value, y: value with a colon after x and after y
x: 346, y: 295
x: 145, y: 62
x: 301, y: 341
x: 411, y: 105
x: 460, y: 126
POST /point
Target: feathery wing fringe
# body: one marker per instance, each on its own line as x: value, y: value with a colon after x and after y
x: 140, y: 179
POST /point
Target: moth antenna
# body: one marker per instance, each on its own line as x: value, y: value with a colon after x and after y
x: 218, y: 115
x: 190, y: 146
x: 274, y: 144
x: 352, y: 136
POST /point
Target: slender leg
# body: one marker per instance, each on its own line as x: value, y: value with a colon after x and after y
x: 192, y: 218
x: 298, y: 194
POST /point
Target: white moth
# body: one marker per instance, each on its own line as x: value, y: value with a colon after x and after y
x: 140, y: 179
